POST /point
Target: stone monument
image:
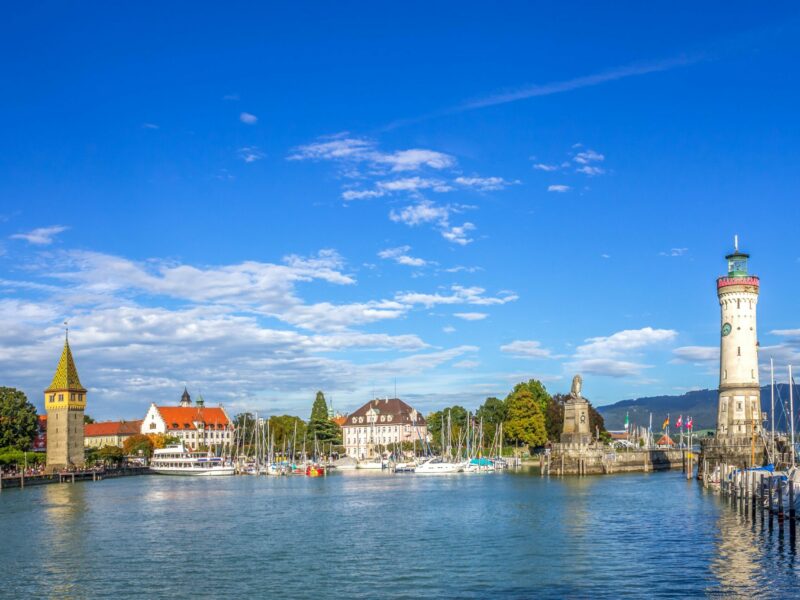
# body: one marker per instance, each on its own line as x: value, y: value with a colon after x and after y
x: 576, y: 416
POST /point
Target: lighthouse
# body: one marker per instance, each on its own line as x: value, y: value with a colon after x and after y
x: 739, y: 412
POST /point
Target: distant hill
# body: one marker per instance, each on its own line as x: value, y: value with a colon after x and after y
x: 700, y: 404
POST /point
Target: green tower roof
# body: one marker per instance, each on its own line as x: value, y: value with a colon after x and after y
x: 66, y: 377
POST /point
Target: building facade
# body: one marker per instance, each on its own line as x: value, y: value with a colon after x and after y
x: 196, y: 425
x: 109, y: 433
x: 381, y: 423
x: 65, y: 402
x: 739, y: 410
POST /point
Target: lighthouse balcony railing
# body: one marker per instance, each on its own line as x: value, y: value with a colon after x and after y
x: 726, y: 281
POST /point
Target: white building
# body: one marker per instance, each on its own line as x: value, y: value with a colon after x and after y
x: 739, y: 411
x: 194, y: 424
x: 380, y: 423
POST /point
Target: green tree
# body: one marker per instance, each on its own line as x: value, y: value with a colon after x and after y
x: 87, y: 420
x: 17, y: 419
x: 492, y: 412
x: 282, y: 433
x: 525, y: 419
x: 321, y: 426
x: 137, y: 445
x: 455, y: 415
x: 110, y: 454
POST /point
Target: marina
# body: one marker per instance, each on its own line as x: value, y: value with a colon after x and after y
x: 623, y: 535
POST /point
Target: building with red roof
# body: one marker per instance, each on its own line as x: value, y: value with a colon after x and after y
x: 380, y: 424
x: 109, y: 433
x: 195, y: 424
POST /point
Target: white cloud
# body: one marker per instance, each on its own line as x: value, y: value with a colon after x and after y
x: 590, y: 170
x: 673, y: 252
x: 604, y: 255
x: 361, y: 194
x: 485, y: 184
x: 558, y: 188
x: 460, y: 268
x: 526, y: 349
x: 149, y: 126
x: 41, y: 236
x: 611, y: 355
x: 466, y: 364
x: 588, y: 156
x: 448, y: 329
x: 412, y: 184
x: 459, y: 295
x: 250, y: 154
x: 459, y: 234
x: 248, y: 119
x: 359, y: 150
x: 471, y: 316
x: 401, y: 257
x: 545, y: 167
x: 422, y: 212
x: 697, y: 354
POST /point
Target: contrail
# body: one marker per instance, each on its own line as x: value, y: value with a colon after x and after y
x: 557, y: 87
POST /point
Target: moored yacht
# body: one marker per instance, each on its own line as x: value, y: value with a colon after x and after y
x: 175, y: 459
x: 438, y: 466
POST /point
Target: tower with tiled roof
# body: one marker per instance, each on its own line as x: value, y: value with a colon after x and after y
x: 65, y: 402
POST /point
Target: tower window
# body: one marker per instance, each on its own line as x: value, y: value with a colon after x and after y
x: 738, y: 350
x: 738, y: 304
x: 725, y: 374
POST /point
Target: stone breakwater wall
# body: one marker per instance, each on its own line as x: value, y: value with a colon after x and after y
x: 590, y: 460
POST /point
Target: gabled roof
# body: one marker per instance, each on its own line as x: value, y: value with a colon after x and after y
x: 112, y: 428
x: 66, y: 376
x: 399, y: 410
x: 185, y: 417
x: 665, y: 440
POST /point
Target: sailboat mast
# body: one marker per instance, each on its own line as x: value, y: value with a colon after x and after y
x: 772, y: 408
x: 791, y: 411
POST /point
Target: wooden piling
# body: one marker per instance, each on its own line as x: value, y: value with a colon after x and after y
x: 780, y: 502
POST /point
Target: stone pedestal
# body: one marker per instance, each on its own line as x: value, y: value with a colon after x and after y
x: 576, y: 422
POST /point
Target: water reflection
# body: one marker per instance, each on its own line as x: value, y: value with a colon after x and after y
x: 66, y: 534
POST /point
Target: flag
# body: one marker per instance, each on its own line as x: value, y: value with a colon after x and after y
x: 665, y: 424
x: 679, y: 422
x: 626, y: 421
x: 688, y: 422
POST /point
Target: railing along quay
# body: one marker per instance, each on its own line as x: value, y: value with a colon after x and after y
x: 21, y: 480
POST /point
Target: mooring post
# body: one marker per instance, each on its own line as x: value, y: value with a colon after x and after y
x: 780, y: 503
x: 771, y: 505
x: 791, y: 511
x: 761, y: 498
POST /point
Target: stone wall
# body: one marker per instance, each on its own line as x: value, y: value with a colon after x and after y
x: 568, y: 459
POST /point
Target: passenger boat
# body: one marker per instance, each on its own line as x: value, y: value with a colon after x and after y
x: 175, y: 459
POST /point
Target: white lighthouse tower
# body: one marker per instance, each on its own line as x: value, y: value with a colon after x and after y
x: 739, y: 412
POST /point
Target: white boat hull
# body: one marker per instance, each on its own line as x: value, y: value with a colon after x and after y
x: 197, y: 472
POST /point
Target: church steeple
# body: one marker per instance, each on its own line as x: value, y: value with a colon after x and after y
x: 66, y: 375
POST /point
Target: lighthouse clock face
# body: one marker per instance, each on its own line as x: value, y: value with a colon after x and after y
x: 726, y: 329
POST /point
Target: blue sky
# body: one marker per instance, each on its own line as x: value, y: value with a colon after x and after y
x: 262, y: 201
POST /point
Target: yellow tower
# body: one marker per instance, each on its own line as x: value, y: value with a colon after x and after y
x: 65, y: 401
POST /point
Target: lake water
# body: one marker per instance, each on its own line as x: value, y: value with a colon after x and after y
x: 370, y: 535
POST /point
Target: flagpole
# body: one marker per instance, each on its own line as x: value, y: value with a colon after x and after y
x: 772, y: 407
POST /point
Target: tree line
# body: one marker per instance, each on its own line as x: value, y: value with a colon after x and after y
x: 529, y: 415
